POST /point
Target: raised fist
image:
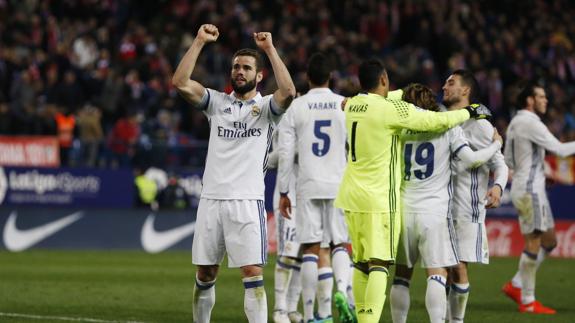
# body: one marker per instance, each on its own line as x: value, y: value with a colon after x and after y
x: 208, y: 33
x: 263, y: 40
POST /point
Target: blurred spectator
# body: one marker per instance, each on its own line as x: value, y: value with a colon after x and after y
x: 66, y: 124
x: 123, y: 138
x: 174, y: 195
x: 90, y: 133
x: 146, y: 189
x: 120, y: 54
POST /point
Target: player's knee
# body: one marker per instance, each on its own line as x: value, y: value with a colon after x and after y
x: 548, y: 247
x: 251, y: 271
x: 402, y: 271
x: 207, y: 273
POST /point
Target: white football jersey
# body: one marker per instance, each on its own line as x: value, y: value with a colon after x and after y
x: 314, y: 129
x: 240, y: 136
x: 525, y: 145
x: 426, y: 186
x: 471, y: 185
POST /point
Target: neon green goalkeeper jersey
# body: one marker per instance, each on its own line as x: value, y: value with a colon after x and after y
x: 372, y: 178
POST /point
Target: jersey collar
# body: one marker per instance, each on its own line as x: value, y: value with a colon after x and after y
x: 253, y: 100
x: 319, y: 90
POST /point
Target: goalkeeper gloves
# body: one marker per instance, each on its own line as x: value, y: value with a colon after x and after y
x: 478, y: 111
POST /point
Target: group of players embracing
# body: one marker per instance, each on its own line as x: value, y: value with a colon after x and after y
x: 384, y: 174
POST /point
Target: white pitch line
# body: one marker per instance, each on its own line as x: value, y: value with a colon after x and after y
x: 62, y: 318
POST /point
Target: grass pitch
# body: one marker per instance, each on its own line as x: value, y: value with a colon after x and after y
x: 121, y: 286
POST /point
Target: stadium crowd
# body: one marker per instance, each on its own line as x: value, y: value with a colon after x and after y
x: 105, y: 66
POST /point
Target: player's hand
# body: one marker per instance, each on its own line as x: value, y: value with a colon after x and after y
x: 343, y: 103
x: 263, y: 40
x: 285, y: 207
x: 208, y: 33
x: 497, y: 136
x: 493, y: 197
x: 478, y: 111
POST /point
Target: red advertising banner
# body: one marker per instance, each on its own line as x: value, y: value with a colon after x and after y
x: 29, y: 151
x: 505, y: 238
x: 561, y: 170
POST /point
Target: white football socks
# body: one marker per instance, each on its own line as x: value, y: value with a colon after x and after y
x: 309, y: 273
x: 458, y: 295
x: 255, y: 301
x: 324, y: 291
x: 204, y: 300
x: 340, y: 263
x: 399, y: 300
x: 435, y: 298
x: 528, y: 270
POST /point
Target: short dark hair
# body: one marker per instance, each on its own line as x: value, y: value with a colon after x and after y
x: 526, y: 89
x: 421, y: 96
x: 468, y: 79
x: 369, y: 73
x: 319, y: 68
x: 253, y: 53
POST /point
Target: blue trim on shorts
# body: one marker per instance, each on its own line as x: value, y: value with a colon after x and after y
x: 263, y: 233
x: 478, y: 244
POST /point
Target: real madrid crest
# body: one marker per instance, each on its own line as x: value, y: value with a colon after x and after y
x: 255, y: 111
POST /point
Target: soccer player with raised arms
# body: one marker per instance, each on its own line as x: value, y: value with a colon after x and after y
x: 370, y: 190
x: 314, y: 129
x: 526, y: 142
x: 231, y: 216
x: 472, y: 194
x: 427, y: 231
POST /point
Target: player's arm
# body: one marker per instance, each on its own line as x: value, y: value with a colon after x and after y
x: 273, y: 155
x: 286, y: 159
x: 191, y: 90
x: 473, y: 159
x: 508, y: 151
x: 407, y: 116
x: 286, y: 89
x: 541, y: 135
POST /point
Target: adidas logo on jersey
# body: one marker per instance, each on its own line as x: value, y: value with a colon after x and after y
x: 228, y: 110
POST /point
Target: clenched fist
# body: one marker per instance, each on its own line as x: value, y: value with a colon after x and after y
x: 208, y: 33
x: 263, y: 40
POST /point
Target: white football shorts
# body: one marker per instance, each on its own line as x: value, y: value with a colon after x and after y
x: 318, y: 220
x: 534, y: 211
x: 288, y: 245
x: 237, y: 227
x: 471, y: 242
x: 430, y: 237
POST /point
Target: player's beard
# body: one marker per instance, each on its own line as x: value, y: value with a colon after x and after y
x: 243, y: 89
x: 451, y: 102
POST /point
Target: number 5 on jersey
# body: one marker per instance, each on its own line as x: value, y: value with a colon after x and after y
x: 321, y: 148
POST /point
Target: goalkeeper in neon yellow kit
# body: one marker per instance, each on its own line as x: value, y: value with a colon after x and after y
x: 369, y: 193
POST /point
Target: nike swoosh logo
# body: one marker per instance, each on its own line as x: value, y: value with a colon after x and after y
x: 19, y: 240
x: 155, y: 241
